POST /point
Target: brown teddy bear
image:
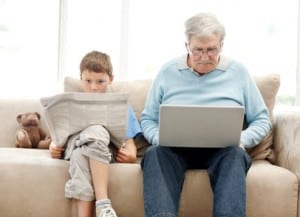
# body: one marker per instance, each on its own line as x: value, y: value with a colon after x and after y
x: 31, y: 135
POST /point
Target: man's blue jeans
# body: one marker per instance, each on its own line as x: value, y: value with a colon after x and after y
x: 164, y: 171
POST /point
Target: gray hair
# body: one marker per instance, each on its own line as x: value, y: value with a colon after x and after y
x: 203, y: 25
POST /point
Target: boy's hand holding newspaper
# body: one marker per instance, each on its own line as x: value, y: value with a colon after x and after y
x: 56, y: 151
x: 127, y: 152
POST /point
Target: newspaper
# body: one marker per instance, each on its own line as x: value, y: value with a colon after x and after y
x: 69, y: 113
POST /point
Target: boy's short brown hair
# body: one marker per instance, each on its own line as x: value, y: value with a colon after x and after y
x: 96, y: 61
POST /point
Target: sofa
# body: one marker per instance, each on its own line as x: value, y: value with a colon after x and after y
x: 32, y: 183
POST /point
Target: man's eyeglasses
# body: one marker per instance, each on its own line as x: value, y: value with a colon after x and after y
x: 209, y: 51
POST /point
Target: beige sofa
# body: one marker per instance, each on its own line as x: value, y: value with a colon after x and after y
x: 32, y: 184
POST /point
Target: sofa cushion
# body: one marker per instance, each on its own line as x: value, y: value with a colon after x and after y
x: 9, y: 110
x: 32, y: 184
x: 138, y: 89
x: 268, y: 86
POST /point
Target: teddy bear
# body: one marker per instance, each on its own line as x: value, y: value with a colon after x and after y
x: 30, y: 134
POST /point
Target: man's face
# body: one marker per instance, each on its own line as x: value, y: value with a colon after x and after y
x: 204, y: 53
x: 95, y: 82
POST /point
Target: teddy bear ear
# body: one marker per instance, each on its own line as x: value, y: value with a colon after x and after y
x: 38, y: 115
x: 19, y: 116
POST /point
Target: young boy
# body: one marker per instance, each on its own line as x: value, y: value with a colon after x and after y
x: 89, y: 162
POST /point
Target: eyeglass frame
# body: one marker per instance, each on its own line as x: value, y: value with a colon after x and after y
x: 208, y: 51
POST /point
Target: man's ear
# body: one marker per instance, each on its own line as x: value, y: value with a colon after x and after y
x: 187, y: 47
x: 221, y: 45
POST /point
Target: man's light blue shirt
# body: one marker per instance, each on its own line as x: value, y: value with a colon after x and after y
x: 229, y: 84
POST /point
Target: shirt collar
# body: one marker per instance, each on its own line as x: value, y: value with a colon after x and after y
x: 223, y: 64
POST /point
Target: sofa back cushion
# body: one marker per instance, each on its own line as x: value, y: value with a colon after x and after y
x: 138, y: 89
x: 268, y: 86
x: 9, y: 110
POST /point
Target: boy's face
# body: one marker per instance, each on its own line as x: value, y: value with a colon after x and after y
x: 95, y: 82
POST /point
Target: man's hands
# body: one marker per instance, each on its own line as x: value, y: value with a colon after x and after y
x: 56, y: 151
x: 127, y: 153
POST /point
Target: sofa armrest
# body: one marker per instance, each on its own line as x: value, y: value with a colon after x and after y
x: 287, y: 138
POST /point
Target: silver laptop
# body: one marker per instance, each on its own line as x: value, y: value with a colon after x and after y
x: 200, y: 126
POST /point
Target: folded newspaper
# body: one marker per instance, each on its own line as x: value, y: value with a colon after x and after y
x: 69, y: 113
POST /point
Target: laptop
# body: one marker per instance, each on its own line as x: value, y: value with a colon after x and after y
x: 200, y: 126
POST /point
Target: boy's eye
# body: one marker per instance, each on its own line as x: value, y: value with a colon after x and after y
x: 98, y: 82
x: 101, y: 81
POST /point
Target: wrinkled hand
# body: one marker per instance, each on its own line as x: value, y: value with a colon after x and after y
x: 56, y: 151
x: 127, y: 153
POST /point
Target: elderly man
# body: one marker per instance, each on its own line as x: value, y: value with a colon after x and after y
x: 202, y: 76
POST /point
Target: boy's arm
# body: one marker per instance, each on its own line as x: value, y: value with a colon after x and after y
x: 127, y: 153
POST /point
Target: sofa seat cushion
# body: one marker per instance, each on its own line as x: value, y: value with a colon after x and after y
x: 125, y: 189
x: 40, y: 183
x: 271, y: 191
x: 40, y: 180
x: 32, y: 183
x: 267, y: 186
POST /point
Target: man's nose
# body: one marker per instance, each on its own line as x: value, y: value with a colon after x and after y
x: 205, y: 56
